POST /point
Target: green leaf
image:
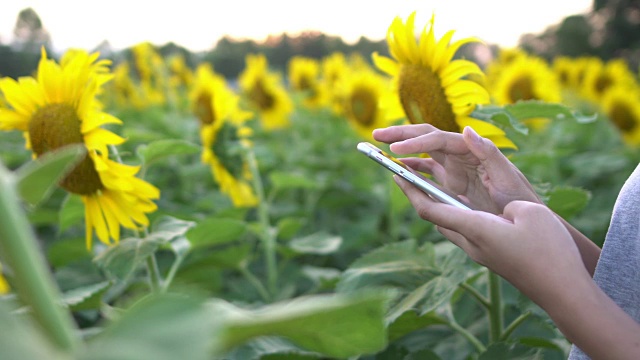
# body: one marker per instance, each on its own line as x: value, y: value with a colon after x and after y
x: 158, y: 328
x: 216, y: 231
x: 401, y: 265
x: 543, y: 343
x: 534, y: 108
x: 507, y: 351
x: 168, y: 228
x: 411, y: 321
x: 288, y: 227
x: 120, y: 260
x: 511, y: 115
x: 229, y: 257
x: 66, y: 251
x: 424, y: 354
x: 335, y: 325
x: 500, y: 117
x: 71, y: 213
x: 22, y: 339
x: 568, y: 201
x: 320, y: 243
x: 270, y: 348
x: 38, y: 178
x: 87, y: 297
x: 159, y: 149
x: 285, y: 180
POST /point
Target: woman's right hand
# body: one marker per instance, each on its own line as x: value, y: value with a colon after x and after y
x: 467, y: 164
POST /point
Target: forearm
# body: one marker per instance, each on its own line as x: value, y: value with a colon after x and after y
x: 594, y: 322
x: 589, y: 251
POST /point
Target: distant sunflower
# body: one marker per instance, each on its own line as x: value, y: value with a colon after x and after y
x: 566, y: 70
x: 334, y: 68
x: 621, y: 104
x: 223, y: 135
x: 363, y: 93
x: 430, y: 84
x: 59, y: 108
x: 266, y: 93
x: 526, y: 78
x: 304, y: 78
x: 599, y: 76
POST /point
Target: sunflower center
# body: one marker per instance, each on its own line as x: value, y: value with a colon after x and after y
x: 228, y: 149
x: 602, y: 83
x: 259, y: 95
x: 363, y: 106
x: 58, y: 125
x: 623, y: 118
x: 203, y: 109
x: 424, y: 100
x: 521, y: 89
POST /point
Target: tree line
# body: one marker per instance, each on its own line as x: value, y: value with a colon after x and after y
x: 611, y: 29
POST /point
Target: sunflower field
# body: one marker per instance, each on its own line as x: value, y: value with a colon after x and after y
x: 153, y: 210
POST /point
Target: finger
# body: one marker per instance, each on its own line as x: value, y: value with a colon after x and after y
x: 489, y: 155
x: 436, y: 141
x: 401, y: 132
x: 468, y: 223
x: 429, y: 166
x: 455, y: 237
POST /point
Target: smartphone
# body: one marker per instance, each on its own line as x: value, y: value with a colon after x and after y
x: 396, y: 166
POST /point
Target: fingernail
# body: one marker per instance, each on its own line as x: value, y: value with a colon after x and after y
x: 473, y: 134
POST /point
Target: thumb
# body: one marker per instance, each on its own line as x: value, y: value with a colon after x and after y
x: 486, y: 151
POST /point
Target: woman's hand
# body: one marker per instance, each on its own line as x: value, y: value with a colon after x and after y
x: 468, y: 165
x: 527, y: 244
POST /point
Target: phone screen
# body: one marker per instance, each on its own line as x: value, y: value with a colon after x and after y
x: 398, y: 167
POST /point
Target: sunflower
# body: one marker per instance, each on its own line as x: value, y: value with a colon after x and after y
x: 223, y: 135
x: 304, y: 78
x: 429, y: 83
x: 334, y: 68
x: 265, y: 93
x: 621, y: 104
x: 59, y: 108
x: 526, y: 78
x: 600, y: 76
x: 566, y: 70
x: 151, y: 72
x: 363, y: 94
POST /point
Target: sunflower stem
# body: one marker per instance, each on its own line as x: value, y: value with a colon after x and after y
x: 453, y: 324
x: 34, y: 283
x: 155, y: 279
x: 255, y: 282
x: 172, y: 273
x: 266, y: 234
x: 495, y: 307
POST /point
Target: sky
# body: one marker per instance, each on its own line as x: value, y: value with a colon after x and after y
x: 198, y: 24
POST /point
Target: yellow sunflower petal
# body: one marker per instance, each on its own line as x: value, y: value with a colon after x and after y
x: 458, y: 69
x: 112, y: 220
x: 440, y: 52
x: 10, y: 120
x: 385, y: 64
x: 97, y: 138
x: 95, y: 219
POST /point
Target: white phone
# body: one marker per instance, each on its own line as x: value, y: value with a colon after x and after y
x: 429, y: 187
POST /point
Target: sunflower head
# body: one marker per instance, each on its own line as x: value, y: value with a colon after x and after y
x: 223, y: 134
x: 304, y: 79
x: 265, y: 93
x: 364, y: 97
x: 621, y: 104
x: 433, y: 87
x: 59, y: 108
x: 600, y: 76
